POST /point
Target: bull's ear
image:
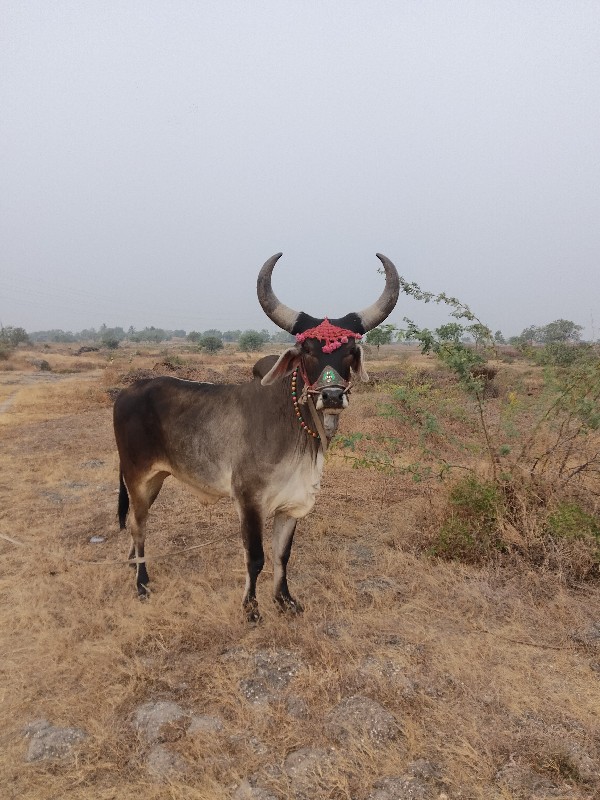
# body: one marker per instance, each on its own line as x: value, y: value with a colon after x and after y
x: 285, y: 364
x: 359, y: 365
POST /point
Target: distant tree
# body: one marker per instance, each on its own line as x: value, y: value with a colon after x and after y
x: 499, y: 338
x: 194, y: 336
x: 110, y: 337
x: 231, y: 336
x: 210, y: 343
x: 213, y: 332
x: 179, y: 333
x: 561, y: 330
x: 383, y: 334
x: 282, y: 337
x: 55, y: 335
x: 530, y: 335
x: 13, y: 336
x: 250, y: 341
x: 151, y: 334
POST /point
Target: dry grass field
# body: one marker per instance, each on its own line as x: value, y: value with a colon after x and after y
x: 409, y: 675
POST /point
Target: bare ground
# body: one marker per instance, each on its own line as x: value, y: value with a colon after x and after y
x: 405, y: 677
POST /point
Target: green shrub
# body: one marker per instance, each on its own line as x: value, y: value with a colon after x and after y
x: 570, y: 521
x: 470, y: 531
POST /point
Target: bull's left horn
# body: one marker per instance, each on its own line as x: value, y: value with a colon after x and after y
x: 374, y: 315
x: 279, y: 313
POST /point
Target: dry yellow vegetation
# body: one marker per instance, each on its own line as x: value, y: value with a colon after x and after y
x: 406, y: 673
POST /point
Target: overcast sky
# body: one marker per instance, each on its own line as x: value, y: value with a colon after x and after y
x: 154, y: 154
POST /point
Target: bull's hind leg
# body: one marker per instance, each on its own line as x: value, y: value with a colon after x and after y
x: 142, y: 497
x: 284, y: 528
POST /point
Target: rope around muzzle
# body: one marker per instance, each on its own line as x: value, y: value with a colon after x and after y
x: 318, y: 424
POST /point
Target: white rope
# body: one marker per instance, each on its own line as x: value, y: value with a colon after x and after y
x: 120, y: 561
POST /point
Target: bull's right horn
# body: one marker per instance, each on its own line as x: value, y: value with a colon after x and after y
x: 280, y: 314
x: 374, y: 315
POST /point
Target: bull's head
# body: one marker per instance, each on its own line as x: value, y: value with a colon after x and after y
x: 326, y: 351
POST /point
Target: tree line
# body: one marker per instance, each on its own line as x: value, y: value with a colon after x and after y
x: 210, y: 340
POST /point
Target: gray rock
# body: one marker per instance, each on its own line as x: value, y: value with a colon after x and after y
x: 404, y: 787
x: 588, y: 638
x: 202, y: 723
x: 378, y: 584
x: 246, y: 791
x: 252, y: 743
x: 421, y: 768
x: 359, y: 716
x: 160, y: 721
x: 360, y: 555
x: 164, y: 764
x: 525, y: 782
x: 273, y: 671
x: 307, y: 770
x: 35, y: 726
x: 296, y: 707
x: 49, y: 742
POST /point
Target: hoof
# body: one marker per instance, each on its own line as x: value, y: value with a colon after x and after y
x: 287, y: 604
x: 143, y: 592
x: 252, y: 613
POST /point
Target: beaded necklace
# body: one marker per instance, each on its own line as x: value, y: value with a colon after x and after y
x: 303, y: 424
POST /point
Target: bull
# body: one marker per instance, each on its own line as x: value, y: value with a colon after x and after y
x: 262, y: 443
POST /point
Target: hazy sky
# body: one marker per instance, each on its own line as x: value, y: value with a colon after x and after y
x: 154, y: 154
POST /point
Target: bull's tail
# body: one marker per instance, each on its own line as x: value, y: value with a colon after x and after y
x: 123, y: 501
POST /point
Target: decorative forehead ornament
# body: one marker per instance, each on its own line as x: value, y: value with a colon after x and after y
x: 333, y: 336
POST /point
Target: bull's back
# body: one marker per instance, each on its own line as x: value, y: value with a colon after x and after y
x: 170, y: 421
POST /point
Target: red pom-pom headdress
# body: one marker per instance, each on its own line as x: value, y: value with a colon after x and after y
x: 333, y: 336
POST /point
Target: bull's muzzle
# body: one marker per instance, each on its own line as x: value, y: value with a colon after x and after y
x: 331, y: 390
x: 332, y: 397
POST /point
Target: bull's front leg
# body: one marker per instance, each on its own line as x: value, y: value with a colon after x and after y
x: 283, y: 537
x: 252, y: 523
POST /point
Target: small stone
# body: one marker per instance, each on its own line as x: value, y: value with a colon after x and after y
x: 94, y: 463
x: 97, y: 539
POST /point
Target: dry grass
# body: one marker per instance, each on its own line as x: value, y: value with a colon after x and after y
x: 481, y: 666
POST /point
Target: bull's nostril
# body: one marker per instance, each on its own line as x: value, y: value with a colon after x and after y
x: 333, y: 394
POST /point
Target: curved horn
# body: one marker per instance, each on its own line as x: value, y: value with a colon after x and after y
x: 281, y: 315
x: 374, y: 315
